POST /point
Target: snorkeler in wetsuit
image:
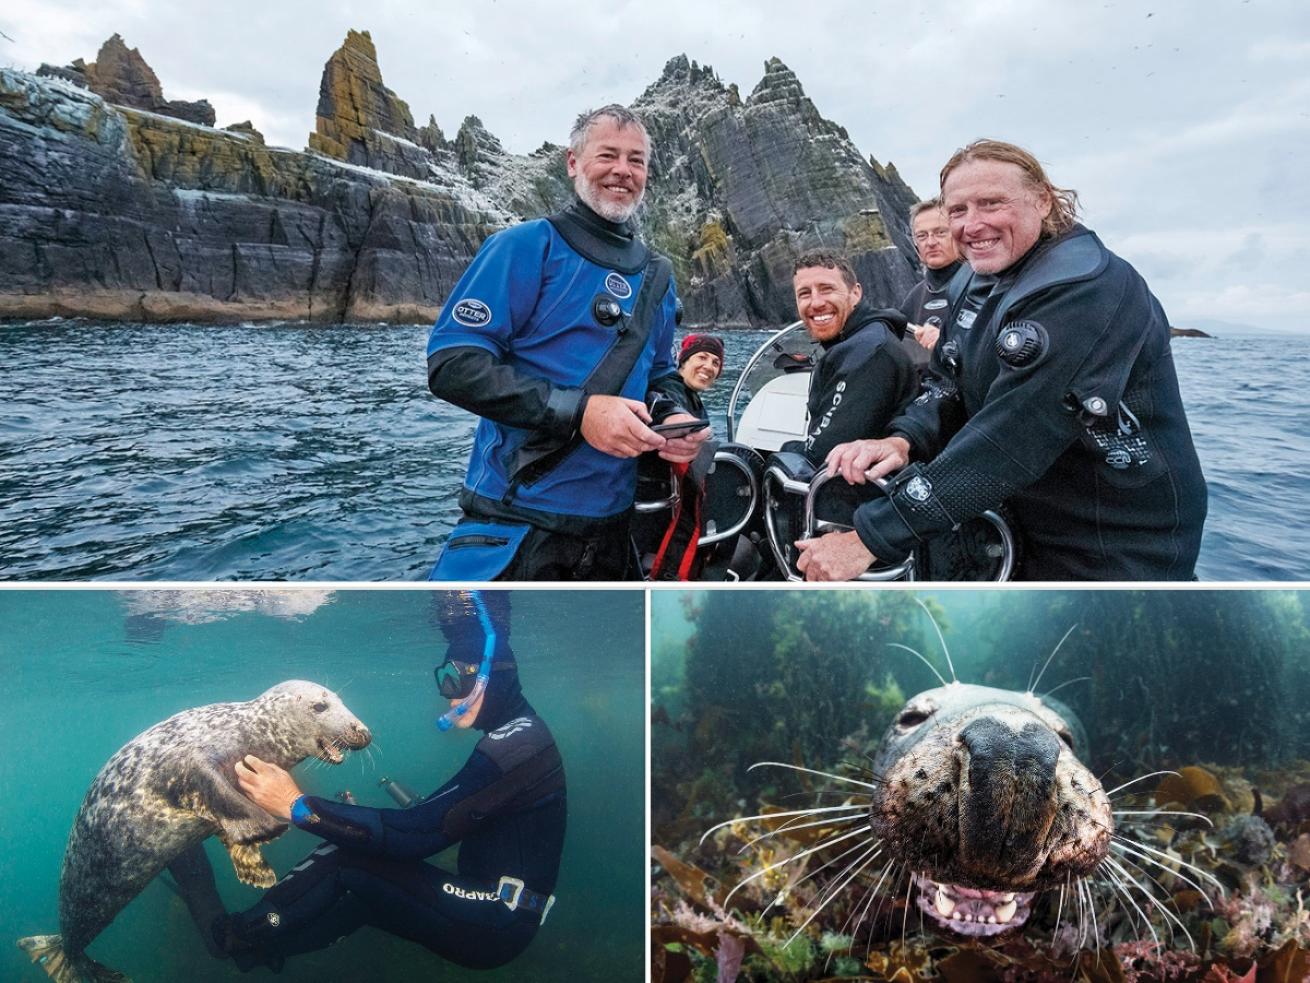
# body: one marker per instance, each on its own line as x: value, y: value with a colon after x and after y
x: 505, y: 807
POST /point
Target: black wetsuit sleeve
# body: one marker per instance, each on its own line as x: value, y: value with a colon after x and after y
x: 931, y: 419
x: 401, y: 834
x: 475, y: 380
x: 1028, y: 418
x: 858, y: 390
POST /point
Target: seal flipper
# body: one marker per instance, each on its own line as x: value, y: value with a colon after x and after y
x: 47, y: 951
x: 249, y: 864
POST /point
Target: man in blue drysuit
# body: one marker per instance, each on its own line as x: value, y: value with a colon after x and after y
x: 554, y: 336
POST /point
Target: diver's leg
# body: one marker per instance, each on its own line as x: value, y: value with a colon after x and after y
x: 195, y: 881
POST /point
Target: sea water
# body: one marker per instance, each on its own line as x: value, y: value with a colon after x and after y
x: 85, y: 671
x: 185, y: 452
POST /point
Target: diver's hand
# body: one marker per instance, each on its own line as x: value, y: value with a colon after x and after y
x: 680, y: 450
x: 864, y: 460
x: 617, y: 426
x: 926, y: 335
x: 836, y: 556
x: 268, y: 786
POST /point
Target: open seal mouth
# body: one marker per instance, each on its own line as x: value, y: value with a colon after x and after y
x: 333, y: 751
x: 972, y: 911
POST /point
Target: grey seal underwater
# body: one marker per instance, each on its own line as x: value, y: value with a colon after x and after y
x: 168, y: 789
x: 979, y: 795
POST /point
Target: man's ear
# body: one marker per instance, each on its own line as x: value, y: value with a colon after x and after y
x: 571, y: 162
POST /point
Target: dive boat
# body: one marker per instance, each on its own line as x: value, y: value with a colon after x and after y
x: 761, y: 495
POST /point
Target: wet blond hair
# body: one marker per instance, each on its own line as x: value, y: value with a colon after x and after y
x: 1064, y: 201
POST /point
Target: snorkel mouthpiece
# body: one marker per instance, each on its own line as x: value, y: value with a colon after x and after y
x: 447, y: 719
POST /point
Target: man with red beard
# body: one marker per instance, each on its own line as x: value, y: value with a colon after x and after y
x: 1054, y: 392
x: 554, y: 336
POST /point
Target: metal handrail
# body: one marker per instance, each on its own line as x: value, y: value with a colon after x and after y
x: 813, y: 527
x: 741, y: 379
x: 723, y: 457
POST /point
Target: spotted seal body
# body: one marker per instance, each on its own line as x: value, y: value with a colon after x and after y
x: 167, y: 790
x: 981, y: 793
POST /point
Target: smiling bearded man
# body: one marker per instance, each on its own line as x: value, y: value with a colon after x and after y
x: 555, y: 335
x: 1054, y: 391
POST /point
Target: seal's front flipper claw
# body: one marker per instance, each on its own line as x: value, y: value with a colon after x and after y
x: 250, y: 865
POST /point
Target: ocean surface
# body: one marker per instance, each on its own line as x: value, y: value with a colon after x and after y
x: 85, y: 671
x: 180, y: 452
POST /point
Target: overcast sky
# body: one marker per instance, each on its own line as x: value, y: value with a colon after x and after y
x: 1184, y: 126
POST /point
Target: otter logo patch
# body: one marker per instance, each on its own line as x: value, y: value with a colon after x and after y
x: 966, y: 319
x: 471, y: 313
x: 510, y: 729
x: 935, y: 305
x: 618, y: 286
x: 1119, y: 459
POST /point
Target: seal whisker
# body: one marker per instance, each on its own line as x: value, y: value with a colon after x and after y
x: 1150, y: 896
x: 1096, y: 931
x: 772, y: 815
x: 1067, y: 682
x: 940, y: 637
x: 898, y: 645
x: 1140, y: 778
x: 1123, y: 843
x: 812, y: 771
x: 1113, y: 871
x: 844, y: 793
x: 1034, y: 683
x: 1156, y: 881
x: 867, y: 901
x: 818, y: 870
x: 1162, y: 812
x: 832, y: 891
x: 788, y: 827
x: 781, y: 863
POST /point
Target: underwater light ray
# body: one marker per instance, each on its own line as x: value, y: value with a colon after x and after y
x: 1123, y: 843
x: 1150, y: 896
x: 812, y: 771
x: 773, y: 815
x: 782, y: 863
x: 787, y: 827
x: 1140, y: 778
x: 1038, y: 681
x: 940, y: 637
x: 863, y: 861
x: 898, y: 645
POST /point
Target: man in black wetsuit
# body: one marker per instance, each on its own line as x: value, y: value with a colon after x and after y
x: 926, y: 305
x: 864, y: 377
x: 1054, y: 391
x: 505, y: 807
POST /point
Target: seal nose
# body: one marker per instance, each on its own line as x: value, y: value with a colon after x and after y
x: 360, y: 735
x: 1008, y: 796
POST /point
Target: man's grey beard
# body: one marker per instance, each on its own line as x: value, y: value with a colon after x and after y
x: 610, y: 211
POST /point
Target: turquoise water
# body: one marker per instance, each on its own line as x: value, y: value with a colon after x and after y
x: 284, y: 451
x: 85, y: 671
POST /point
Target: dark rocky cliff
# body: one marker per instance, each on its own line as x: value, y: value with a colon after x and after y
x: 116, y: 203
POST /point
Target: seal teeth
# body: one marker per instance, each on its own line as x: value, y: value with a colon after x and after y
x: 944, y: 905
x: 1006, y: 911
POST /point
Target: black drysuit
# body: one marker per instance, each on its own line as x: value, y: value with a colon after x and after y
x: 1055, y: 391
x: 862, y: 380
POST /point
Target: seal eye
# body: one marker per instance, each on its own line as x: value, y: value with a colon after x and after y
x: 319, y: 707
x: 1067, y: 737
x: 912, y: 718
